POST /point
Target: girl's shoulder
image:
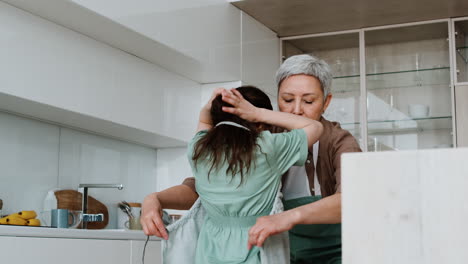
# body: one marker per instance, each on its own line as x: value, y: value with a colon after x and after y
x: 198, y: 136
x: 194, y: 140
x: 273, y: 139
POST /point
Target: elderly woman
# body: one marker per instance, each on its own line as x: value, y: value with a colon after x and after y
x: 312, y: 193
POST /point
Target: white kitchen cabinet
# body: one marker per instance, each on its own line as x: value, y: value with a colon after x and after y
x: 207, y: 31
x: 260, y: 56
x: 153, y: 254
x: 23, y: 250
x: 53, y: 73
x: 62, y: 76
x: 392, y: 85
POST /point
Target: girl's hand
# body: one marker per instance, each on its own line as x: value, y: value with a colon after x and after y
x: 241, y: 107
x: 204, y: 121
x: 267, y: 226
x: 215, y: 93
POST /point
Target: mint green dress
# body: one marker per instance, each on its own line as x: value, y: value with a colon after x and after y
x: 232, y: 209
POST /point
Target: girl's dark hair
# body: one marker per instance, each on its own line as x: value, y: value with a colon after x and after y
x: 231, y: 144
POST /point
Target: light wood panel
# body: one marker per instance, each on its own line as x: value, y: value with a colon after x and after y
x: 406, y: 207
x: 332, y: 42
x: 407, y: 34
x: 299, y: 17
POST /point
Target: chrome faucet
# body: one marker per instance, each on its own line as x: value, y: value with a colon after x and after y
x: 89, y: 217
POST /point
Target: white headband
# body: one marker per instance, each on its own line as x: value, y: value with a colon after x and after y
x: 232, y: 124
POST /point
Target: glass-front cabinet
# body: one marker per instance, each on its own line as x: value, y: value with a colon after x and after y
x: 407, y: 90
x: 408, y: 87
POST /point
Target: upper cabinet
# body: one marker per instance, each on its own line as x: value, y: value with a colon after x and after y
x: 409, y: 94
x: 130, y: 71
x: 391, y: 88
x: 205, y: 30
x: 260, y: 56
x: 52, y: 73
x: 205, y: 33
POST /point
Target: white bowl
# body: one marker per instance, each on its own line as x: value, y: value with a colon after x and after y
x: 418, y: 110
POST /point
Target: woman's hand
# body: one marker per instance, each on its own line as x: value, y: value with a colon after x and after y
x: 151, y: 217
x: 241, y: 107
x: 270, y: 225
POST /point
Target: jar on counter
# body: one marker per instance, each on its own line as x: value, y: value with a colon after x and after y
x: 136, y: 209
x: 122, y: 217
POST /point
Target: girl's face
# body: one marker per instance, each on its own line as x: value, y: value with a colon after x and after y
x: 302, y: 95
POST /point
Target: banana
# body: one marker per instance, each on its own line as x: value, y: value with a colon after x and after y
x: 25, y: 215
x: 33, y: 222
x: 12, y: 221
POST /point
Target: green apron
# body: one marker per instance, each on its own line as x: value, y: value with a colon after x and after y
x: 317, y: 244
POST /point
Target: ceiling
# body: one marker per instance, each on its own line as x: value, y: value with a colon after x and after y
x: 299, y: 17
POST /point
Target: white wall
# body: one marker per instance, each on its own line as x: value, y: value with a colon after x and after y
x: 47, y: 63
x: 36, y: 157
x: 86, y: 158
x: 29, y: 162
x: 406, y: 207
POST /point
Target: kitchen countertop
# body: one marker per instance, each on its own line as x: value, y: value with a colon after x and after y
x: 29, y: 231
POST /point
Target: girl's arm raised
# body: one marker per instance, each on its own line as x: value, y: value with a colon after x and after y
x: 247, y: 111
x: 204, y: 120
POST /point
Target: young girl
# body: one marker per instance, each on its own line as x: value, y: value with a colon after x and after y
x: 238, y: 165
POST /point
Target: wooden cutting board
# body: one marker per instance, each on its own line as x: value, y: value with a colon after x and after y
x: 71, y: 200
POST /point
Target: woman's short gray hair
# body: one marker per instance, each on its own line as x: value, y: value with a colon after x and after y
x: 307, y: 65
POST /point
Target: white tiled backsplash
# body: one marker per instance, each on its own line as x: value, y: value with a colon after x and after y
x: 36, y: 157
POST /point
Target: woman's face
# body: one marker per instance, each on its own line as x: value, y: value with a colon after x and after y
x: 302, y: 95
